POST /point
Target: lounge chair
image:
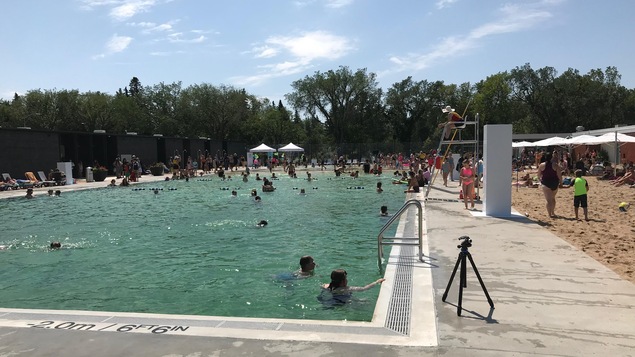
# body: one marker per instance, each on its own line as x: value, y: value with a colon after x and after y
x: 31, y: 177
x: 20, y: 182
x: 46, y: 182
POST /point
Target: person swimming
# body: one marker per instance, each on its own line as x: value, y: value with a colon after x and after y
x: 307, y: 265
x: 262, y: 223
x: 383, y: 211
x: 56, y: 245
x: 339, y: 289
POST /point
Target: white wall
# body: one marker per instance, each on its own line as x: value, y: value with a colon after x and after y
x: 497, y: 170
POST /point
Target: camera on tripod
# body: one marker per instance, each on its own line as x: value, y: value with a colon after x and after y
x: 467, y: 242
x: 465, y: 255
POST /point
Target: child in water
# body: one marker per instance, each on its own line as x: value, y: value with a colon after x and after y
x: 384, y: 211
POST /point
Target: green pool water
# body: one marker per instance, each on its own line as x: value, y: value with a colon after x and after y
x: 194, y: 249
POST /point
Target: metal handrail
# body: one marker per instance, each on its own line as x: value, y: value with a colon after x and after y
x: 380, y: 237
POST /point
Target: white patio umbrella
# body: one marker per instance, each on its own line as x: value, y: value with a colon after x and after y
x: 556, y: 140
x: 581, y: 140
x: 290, y: 147
x: 612, y: 138
x: 522, y: 144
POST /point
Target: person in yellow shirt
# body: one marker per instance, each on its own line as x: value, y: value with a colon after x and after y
x: 580, y: 189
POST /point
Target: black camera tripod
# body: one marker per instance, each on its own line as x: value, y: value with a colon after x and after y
x: 467, y: 242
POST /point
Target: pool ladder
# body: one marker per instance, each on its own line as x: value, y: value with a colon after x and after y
x: 403, y: 240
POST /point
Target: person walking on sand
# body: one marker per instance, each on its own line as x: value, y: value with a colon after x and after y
x: 550, y: 177
x: 580, y: 189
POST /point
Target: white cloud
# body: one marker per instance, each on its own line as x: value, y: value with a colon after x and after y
x: 130, y: 8
x: 444, y: 3
x: 513, y: 18
x: 178, y: 37
x: 114, y: 45
x: 333, y: 4
x: 313, y: 45
x: 150, y: 27
x: 121, y: 9
x: 304, y: 50
x: 265, y: 52
x: 165, y: 53
x: 146, y: 25
x: 90, y: 4
x: 336, y: 4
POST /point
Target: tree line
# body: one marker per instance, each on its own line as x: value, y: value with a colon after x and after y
x: 335, y: 107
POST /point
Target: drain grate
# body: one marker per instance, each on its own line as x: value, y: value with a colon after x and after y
x: 399, y: 308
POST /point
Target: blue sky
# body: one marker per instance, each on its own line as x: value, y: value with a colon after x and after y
x: 263, y: 46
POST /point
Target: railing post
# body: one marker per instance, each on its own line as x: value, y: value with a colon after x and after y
x: 380, y: 237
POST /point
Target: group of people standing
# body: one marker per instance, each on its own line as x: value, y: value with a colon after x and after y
x: 550, y: 176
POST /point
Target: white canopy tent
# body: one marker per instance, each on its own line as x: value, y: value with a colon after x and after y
x: 262, y: 148
x: 258, y: 149
x: 290, y: 147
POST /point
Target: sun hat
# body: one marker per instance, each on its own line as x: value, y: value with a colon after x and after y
x: 448, y: 109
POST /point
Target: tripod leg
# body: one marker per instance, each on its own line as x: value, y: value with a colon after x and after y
x: 456, y: 266
x: 489, y: 300
x: 462, y: 284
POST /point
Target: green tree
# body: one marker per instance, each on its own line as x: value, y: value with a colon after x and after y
x: 348, y: 103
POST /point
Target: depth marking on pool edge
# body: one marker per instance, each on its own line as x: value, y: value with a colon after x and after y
x: 117, y: 327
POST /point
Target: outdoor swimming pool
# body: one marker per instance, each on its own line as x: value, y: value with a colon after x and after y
x: 194, y: 249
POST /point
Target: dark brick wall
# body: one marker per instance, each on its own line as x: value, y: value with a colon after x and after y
x: 30, y: 150
x: 27, y: 150
x: 144, y: 147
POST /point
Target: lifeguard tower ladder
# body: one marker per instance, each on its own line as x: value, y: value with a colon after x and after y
x: 454, y: 140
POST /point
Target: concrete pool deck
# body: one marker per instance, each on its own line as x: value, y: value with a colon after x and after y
x: 550, y: 299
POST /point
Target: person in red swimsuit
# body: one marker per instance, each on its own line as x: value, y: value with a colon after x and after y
x: 453, y: 119
x: 467, y: 183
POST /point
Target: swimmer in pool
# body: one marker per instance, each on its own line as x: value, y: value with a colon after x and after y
x: 379, y: 189
x: 262, y: 223
x: 383, y: 211
x: 307, y: 265
x: 56, y: 245
x: 234, y: 193
x: 258, y: 199
x: 340, y: 290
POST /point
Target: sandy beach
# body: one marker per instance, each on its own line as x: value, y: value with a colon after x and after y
x: 608, y: 236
